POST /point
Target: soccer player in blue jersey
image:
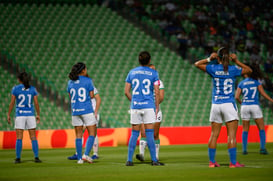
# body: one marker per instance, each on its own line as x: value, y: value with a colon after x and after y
x: 24, y: 95
x: 143, y: 140
x: 81, y: 90
x: 143, y: 81
x: 96, y: 104
x: 250, y: 87
x: 223, y: 107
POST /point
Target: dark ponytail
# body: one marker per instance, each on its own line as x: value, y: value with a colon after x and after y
x: 224, y: 57
x: 76, y: 70
x: 24, y: 78
x: 256, y: 72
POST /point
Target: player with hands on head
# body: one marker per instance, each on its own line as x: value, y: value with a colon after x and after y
x: 223, y: 107
x: 24, y: 95
x: 81, y: 90
x: 144, y: 83
x: 250, y: 88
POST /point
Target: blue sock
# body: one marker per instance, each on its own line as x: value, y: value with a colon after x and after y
x: 35, y: 148
x: 262, y: 139
x: 245, y: 138
x: 232, y: 155
x: 132, y: 145
x: 212, y: 153
x: 151, y: 143
x: 18, y: 148
x: 79, y: 147
x: 89, y: 145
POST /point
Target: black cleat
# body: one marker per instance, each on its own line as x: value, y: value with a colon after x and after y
x: 140, y: 157
x: 128, y: 163
x: 244, y: 152
x: 157, y: 163
x: 17, y: 160
x: 263, y: 152
x: 37, y: 160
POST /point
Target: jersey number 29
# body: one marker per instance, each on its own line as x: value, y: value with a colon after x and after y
x: 81, y: 94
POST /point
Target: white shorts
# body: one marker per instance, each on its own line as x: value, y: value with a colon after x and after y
x: 251, y: 111
x: 84, y: 120
x: 226, y: 112
x: 159, y: 117
x: 98, y: 119
x: 25, y: 122
x: 139, y: 116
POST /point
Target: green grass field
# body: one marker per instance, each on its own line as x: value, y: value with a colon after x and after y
x: 183, y: 162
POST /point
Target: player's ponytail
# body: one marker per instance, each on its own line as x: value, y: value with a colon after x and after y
x: 76, y: 70
x: 224, y: 57
x: 24, y: 78
x: 256, y: 72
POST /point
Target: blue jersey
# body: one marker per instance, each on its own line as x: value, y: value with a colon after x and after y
x: 142, y: 80
x: 79, y: 91
x: 24, y: 100
x: 250, y: 91
x: 223, y: 82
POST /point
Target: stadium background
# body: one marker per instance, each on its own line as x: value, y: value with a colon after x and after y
x: 46, y: 38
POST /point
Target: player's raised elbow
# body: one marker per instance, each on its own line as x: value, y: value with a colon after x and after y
x: 247, y: 70
x: 196, y: 64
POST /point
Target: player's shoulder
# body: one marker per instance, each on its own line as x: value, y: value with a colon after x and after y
x: 84, y: 78
x: 234, y: 68
x: 17, y: 86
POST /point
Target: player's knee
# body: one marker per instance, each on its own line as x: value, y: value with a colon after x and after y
x: 33, y: 138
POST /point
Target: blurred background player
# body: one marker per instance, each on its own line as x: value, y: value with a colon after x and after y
x: 24, y: 94
x: 143, y: 81
x: 96, y: 104
x: 81, y: 90
x: 223, y: 107
x: 250, y: 87
x: 143, y: 142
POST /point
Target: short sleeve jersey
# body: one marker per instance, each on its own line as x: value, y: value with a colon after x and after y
x: 223, y: 82
x: 79, y: 91
x: 161, y: 86
x: 94, y: 100
x: 24, y: 100
x: 142, y: 80
x: 250, y: 91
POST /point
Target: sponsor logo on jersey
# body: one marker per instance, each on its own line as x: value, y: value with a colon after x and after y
x: 25, y: 112
x: 249, y: 100
x: 221, y: 97
x: 140, y: 103
x: 78, y: 110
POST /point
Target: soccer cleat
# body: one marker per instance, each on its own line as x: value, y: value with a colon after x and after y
x: 236, y: 165
x: 244, y: 152
x: 128, y: 163
x: 140, y: 157
x: 73, y: 157
x: 37, y: 160
x: 17, y: 160
x: 157, y: 163
x: 263, y: 151
x: 80, y: 161
x: 87, y: 158
x: 95, y: 157
x: 212, y: 165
